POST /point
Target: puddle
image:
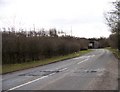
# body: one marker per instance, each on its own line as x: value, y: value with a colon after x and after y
x: 89, y: 73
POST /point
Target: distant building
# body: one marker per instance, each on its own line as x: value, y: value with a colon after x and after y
x: 93, y: 44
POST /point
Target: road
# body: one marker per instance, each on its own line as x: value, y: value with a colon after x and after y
x: 97, y: 70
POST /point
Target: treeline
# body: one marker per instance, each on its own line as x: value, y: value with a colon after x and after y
x: 113, y: 21
x: 24, y: 46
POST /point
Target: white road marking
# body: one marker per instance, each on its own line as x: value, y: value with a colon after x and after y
x: 32, y: 81
x: 92, y: 55
x: 85, y: 56
x: 63, y: 69
x: 82, y: 61
x: 52, y: 73
x: 81, y: 57
x: 27, y: 83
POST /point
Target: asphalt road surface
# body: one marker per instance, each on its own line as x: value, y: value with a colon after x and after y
x: 97, y: 70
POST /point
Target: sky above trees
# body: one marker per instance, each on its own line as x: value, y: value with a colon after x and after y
x: 84, y: 17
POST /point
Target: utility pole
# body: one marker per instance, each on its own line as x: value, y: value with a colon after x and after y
x: 71, y: 30
x: 14, y: 23
x: 34, y: 27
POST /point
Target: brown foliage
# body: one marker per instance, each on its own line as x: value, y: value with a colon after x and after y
x: 19, y: 47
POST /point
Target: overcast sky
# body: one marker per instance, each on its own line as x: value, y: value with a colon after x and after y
x: 84, y: 17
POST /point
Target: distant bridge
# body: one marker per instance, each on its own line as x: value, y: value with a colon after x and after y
x: 94, y: 44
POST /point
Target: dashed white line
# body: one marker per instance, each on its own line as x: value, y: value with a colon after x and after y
x: 32, y: 81
x: 51, y: 73
x: 82, y: 61
x: 85, y: 56
x: 63, y: 69
x: 39, y: 78
x: 27, y: 83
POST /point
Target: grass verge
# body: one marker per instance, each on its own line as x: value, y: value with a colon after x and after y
x: 15, y: 67
x: 115, y: 52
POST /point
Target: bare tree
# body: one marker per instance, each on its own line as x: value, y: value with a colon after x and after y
x: 113, y: 21
x: 53, y: 32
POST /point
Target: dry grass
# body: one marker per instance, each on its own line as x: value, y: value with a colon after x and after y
x: 115, y: 52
